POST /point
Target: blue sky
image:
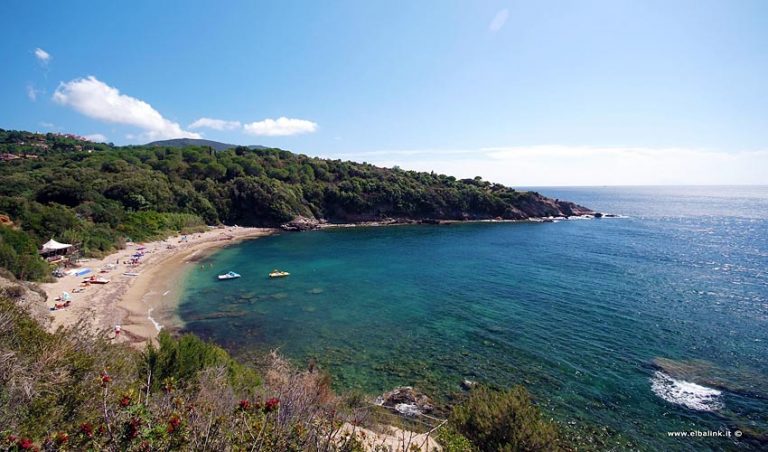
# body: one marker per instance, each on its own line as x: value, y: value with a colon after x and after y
x: 525, y: 93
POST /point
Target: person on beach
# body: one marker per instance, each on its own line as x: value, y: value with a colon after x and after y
x: 117, y: 331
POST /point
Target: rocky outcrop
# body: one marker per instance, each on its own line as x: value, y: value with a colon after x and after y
x: 406, y: 400
x: 301, y: 223
x: 570, y: 209
x: 534, y: 205
x: 528, y: 206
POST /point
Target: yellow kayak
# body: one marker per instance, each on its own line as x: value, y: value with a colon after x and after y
x: 278, y: 274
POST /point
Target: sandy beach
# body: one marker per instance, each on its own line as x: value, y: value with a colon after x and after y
x: 136, y: 302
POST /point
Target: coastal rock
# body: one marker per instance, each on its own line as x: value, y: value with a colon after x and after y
x: 406, y: 400
x: 570, y: 209
x: 301, y: 223
x: 468, y: 384
x: 434, y: 221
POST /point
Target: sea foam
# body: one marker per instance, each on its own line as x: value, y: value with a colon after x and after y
x: 685, y: 393
x: 158, y: 327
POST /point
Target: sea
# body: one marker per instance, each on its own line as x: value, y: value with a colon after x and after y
x: 650, y: 329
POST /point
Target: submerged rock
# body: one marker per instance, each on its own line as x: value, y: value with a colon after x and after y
x: 468, y: 384
x: 736, y: 380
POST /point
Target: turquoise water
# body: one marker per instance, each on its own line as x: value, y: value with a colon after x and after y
x: 577, y: 310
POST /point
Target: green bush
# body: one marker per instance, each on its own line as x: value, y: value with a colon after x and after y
x: 180, y: 360
x: 453, y: 441
x: 149, y: 225
x: 504, y: 421
x: 18, y: 254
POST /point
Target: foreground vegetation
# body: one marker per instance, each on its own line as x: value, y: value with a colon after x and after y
x: 71, y: 390
x: 98, y: 195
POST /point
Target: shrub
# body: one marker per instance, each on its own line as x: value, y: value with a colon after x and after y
x: 504, y: 421
x: 180, y: 360
x: 18, y: 254
x: 453, y: 441
x: 72, y: 390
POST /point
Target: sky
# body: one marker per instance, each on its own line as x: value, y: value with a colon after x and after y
x: 526, y: 93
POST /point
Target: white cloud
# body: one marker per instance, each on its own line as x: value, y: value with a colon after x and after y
x: 280, y: 127
x: 96, y: 138
x: 499, y: 20
x: 97, y: 100
x: 42, y: 56
x: 216, y: 124
x: 554, y: 165
x: 32, y: 92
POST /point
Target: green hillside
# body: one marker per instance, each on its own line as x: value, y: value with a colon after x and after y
x: 98, y: 195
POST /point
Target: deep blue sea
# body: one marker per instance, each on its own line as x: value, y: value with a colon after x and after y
x: 644, y: 325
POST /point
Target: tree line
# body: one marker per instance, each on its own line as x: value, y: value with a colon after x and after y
x: 99, y: 195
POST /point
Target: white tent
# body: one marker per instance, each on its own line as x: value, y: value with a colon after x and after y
x: 53, y: 245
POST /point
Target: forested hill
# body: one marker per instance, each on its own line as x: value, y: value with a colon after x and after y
x: 185, y: 142
x: 65, y: 187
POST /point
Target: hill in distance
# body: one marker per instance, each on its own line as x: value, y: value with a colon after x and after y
x: 184, y: 142
x: 61, y: 186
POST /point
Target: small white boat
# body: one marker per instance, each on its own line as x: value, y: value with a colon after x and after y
x: 95, y: 280
x: 229, y: 275
x: 278, y: 274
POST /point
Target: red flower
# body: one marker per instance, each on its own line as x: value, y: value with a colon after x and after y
x: 105, y: 378
x: 133, y: 427
x: 173, y: 423
x: 25, y: 443
x: 245, y: 405
x: 125, y: 401
x: 86, y: 428
x: 271, y: 404
x: 61, y: 438
x: 11, y: 438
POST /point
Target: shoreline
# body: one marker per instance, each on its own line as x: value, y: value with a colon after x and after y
x: 437, y: 222
x: 145, y: 303
x: 135, y: 303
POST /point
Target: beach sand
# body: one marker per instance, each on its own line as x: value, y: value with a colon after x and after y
x: 136, y: 302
